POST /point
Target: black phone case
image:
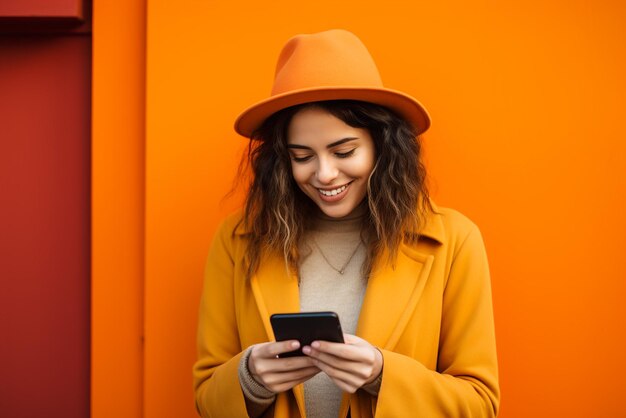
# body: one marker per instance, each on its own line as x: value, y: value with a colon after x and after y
x: 306, y: 327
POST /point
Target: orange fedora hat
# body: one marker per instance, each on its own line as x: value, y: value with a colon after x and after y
x: 331, y: 65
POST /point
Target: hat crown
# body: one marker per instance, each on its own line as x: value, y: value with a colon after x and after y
x: 330, y: 65
x: 331, y: 58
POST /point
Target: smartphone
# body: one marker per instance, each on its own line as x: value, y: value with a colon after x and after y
x: 306, y: 327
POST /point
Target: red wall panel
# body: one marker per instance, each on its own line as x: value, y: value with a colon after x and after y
x: 42, y: 8
x: 44, y: 226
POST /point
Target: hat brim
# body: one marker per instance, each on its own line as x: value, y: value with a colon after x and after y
x: 408, y: 107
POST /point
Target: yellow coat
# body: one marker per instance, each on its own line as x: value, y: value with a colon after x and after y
x: 430, y: 314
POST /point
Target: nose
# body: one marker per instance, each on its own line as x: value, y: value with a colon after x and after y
x: 326, y: 171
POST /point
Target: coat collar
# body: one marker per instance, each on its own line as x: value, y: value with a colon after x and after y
x: 433, y: 226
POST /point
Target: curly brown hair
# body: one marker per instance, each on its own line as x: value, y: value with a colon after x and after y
x: 277, y: 213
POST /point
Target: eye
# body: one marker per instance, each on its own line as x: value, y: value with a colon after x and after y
x: 345, y: 154
x: 300, y: 159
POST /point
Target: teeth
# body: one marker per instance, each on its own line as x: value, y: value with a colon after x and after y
x: 332, y: 192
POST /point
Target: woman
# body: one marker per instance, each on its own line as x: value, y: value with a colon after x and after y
x: 338, y: 218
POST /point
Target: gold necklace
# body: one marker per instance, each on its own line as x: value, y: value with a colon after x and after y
x: 342, y: 270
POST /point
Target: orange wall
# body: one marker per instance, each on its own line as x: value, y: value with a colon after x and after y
x: 117, y: 208
x: 527, y: 139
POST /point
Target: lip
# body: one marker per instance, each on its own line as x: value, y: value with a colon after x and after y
x: 335, y: 198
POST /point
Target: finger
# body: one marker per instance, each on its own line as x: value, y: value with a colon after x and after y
x: 328, y: 352
x: 265, y: 366
x: 376, y: 360
x: 282, y: 387
x: 362, y: 361
x: 345, y: 381
x: 360, y: 371
x: 329, y: 359
x: 364, y: 370
x: 283, y: 347
x: 272, y: 350
x: 337, y: 349
x: 295, y: 375
x: 279, y: 382
x: 291, y: 363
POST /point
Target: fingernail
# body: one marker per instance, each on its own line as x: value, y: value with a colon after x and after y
x: 306, y: 350
x: 295, y: 344
x: 315, y: 344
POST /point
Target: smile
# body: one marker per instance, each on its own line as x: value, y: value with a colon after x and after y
x: 333, y: 192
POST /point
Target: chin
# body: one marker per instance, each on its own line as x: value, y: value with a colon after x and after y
x: 339, y: 211
x: 334, y: 214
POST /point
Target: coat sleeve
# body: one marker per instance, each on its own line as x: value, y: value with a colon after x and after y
x: 465, y: 383
x: 215, y: 373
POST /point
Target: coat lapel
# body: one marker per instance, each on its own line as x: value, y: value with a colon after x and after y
x: 391, y: 297
x: 393, y: 291
x: 275, y: 290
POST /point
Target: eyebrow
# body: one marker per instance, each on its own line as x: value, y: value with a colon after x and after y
x: 334, y: 144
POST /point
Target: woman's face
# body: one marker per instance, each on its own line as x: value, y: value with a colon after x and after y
x: 330, y: 160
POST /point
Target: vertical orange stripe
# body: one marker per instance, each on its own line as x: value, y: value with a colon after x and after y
x: 117, y: 208
x: 175, y: 161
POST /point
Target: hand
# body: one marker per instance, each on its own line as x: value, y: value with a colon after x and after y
x: 350, y: 365
x: 280, y: 374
